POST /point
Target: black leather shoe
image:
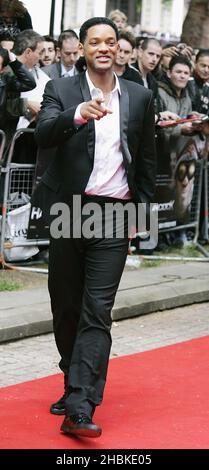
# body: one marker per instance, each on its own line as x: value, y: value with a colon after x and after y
x: 58, y: 408
x: 80, y: 425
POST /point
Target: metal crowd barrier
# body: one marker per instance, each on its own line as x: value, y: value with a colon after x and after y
x: 194, y: 219
x: 201, y: 175
x: 169, y: 153
x: 16, y: 178
x: 205, y: 223
x: 207, y: 199
x: 2, y: 145
x: 194, y: 213
x: 19, y: 178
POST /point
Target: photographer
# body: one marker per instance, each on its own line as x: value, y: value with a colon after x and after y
x: 18, y: 80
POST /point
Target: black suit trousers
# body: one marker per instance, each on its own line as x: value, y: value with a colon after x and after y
x: 84, y: 275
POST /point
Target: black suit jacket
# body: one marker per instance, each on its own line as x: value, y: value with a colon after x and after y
x: 70, y: 168
x: 53, y: 70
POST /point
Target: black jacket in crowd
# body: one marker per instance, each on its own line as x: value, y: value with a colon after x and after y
x: 199, y: 94
x: 152, y: 84
x: 132, y: 74
x: 20, y: 80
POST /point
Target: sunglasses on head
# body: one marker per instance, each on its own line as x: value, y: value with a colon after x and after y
x: 185, y: 169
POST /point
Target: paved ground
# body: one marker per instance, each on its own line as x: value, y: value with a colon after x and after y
x: 27, y: 312
x: 34, y: 357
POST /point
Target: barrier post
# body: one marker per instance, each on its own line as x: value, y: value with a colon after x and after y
x: 17, y: 177
x: 2, y: 147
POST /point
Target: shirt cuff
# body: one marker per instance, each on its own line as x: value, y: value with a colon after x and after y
x: 78, y: 119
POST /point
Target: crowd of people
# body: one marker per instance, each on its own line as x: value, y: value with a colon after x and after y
x: 177, y: 75
x: 91, y: 117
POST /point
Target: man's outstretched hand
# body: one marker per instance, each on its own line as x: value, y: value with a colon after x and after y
x: 94, y: 109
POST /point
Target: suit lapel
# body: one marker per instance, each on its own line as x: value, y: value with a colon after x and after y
x: 91, y: 127
x: 59, y: 70
x: 124, y: 118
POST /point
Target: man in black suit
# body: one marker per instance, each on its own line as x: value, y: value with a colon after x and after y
x: 103, y: 128
x: 122, y: 68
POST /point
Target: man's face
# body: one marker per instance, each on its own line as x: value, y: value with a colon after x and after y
x: 179, y: 76
x: 150, y: 57
x: 100, y: 48
x: 48, y: 54
x: 124, y: 52
x: 69, y: 52
x: 33, y: 57
x: 202, y: 68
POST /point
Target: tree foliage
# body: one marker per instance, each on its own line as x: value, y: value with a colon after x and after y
x: 195, y: 31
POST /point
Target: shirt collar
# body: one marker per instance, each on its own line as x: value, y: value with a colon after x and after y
x: 92, y: 87
x: 65, y: 72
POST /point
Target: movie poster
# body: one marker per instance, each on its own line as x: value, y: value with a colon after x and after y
x: 177, y: 177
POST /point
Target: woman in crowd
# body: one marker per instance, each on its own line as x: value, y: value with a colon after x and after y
x: 14, y: 17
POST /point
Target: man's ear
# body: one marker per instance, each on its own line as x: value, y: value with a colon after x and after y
x: 27, y: 51
x: 139, y: 52
x: 80, y: 49
x: 168, y: 72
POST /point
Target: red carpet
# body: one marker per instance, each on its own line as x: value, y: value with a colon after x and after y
x: 156, y: 399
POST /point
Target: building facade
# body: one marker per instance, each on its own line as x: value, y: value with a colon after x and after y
x: 77, y: 11
x: 161, y: 16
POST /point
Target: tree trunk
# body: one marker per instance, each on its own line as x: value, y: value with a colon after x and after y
x: 195, y: 30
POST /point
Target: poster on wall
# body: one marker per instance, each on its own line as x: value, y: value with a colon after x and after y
x: 177, y: 175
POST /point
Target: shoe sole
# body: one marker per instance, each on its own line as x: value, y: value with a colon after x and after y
x: 82, y: 432
x: 57, y: 412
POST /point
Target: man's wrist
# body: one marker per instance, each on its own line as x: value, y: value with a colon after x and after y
x: 159, y: 118
x: 78, y: 119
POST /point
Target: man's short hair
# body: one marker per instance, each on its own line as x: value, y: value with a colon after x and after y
x: 25, y: 39
x: 146, y: 42
x: 127, y: 36
x: 67, y: 34
x: 48, y: 38
x: 93, y: 22
x: 179, y: 60
x: 202, y: 53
